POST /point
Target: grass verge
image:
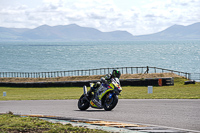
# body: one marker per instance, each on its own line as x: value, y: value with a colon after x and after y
x: 178, y: 91
x: 16, y: 124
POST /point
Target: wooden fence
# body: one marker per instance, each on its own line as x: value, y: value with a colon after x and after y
x: 88, y: 72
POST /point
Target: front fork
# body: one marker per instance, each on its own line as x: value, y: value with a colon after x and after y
x: 85, y: 90
x: 87, y: 94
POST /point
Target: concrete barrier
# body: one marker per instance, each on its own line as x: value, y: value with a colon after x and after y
x: 124, y: 82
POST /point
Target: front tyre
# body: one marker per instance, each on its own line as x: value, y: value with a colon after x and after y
x: 110, y: 103
x: 83, y: 104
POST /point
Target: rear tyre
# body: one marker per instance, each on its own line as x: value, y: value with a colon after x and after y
x: 83, y: 104
x: 110, y: 103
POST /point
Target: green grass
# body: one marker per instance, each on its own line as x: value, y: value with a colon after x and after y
x: 12, y: 123
x: 178, y: 91
x: 50, y: 93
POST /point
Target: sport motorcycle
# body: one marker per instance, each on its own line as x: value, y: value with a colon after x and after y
x: 106, y: 96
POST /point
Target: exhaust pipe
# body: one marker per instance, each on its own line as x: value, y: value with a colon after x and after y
x: 85, y: 89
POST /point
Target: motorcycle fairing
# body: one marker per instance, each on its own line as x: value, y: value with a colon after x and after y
x: 93, y: 105
x: 117, y: 85
x: 110, y: 87
x: 101, y: 96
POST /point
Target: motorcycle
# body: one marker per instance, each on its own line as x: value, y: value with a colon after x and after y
x: 104, y: 97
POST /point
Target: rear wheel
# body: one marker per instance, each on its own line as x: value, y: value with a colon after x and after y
x: 83, y: 104
x: 110, y: 103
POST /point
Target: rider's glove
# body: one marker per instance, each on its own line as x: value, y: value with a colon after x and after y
x: 103, y: 80
x: 108, y: 76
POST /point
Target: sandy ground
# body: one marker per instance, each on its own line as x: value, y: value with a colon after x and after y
x: 82, y: 78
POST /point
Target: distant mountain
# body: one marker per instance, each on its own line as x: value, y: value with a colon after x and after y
x: 70, y: 32
x: 175, y: 32
x: 74, y: 32
x: 11, y: 33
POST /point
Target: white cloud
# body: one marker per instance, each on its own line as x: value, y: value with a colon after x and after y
x: 150, y: 17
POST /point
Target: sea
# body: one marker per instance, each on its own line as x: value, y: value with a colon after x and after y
x: 35, y: 56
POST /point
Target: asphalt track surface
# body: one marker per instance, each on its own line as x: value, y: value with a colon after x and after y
x: 177, y: 113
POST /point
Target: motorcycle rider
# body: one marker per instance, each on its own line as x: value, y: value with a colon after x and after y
x: 115, y: 74
x: 108, y: 77
x: 97, y: 89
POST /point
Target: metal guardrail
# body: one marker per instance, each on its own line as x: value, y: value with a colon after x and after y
x: 100, y: 71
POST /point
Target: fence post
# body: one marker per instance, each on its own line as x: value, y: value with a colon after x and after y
x: 187, y: 75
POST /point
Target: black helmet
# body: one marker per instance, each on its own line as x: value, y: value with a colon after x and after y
x: 116, y: 73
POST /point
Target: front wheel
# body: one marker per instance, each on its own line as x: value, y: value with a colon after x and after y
x: 110, y: 103
x: 83, y: 104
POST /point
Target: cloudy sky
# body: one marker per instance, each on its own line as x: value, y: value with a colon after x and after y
x: 135, y: 16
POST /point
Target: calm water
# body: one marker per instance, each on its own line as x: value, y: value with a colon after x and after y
x: 62, y: 56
